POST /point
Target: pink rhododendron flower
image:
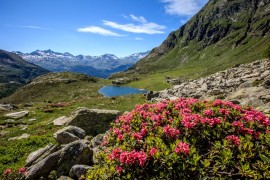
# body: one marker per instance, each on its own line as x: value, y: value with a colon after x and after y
x: 208, y: 112
x: 153, y: 151
x: 247, y: 131
x: 22, y: 169
x: 133, y: 157
x: 171, y: 132
x: 234, y: 139
x: 119, y: 169
x: 137, y: 136
x: 237, y: 124
x: 182, y: 147
x: 115, y: 154
x: 120, y: 137
x: 217, y: 102
x: 224, y: 111
x: 7, y: 171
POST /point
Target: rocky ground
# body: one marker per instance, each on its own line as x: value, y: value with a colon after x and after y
x: 246, y: 84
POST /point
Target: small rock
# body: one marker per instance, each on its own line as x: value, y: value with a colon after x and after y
x: 23, y: 127
x: 23, y: 136
x: 78, y: 170
x: 10, y: 121
x: 204, y: 87
x: 17, y: 115
x: 265, y: 74
x: 3, y: 133
x: 33, y: 119
x: 7, y: 107
x: 61, y: 121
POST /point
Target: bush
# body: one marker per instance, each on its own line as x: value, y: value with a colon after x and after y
x: 186, y: 138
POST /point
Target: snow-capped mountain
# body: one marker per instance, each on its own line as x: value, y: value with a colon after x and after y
x: 100, y: 66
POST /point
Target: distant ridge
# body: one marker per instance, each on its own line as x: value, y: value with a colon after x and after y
x: 98, y: 66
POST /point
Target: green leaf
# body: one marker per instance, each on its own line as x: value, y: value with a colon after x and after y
x: 264, y: 158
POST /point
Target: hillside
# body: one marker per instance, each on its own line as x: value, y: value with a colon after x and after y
x: 15, y: 72
x: 220, y: 35
x: 98, y: 66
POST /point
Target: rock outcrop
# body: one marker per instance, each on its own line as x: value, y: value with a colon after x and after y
x: 93, y: 121
x: 247, y: 83
x: 61, y: 161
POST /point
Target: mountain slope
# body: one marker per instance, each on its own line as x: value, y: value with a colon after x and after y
x: 15, y: 72
x: 99, y: 66
x: 222, y: 34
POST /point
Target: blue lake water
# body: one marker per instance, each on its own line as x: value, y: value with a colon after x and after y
x: 111, y: 91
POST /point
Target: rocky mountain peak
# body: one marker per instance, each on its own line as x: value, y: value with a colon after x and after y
x: 222, y: 31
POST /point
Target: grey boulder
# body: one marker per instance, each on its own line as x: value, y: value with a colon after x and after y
x: 69, y: 134
x: 93, y: 121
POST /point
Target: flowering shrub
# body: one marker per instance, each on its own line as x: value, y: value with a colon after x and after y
x: 14, y: 175
x: 186, y: 138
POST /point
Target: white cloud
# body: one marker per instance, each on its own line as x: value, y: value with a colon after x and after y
x: 31, y: 27
x: 143, y: 27
x: 140, y: 19
x: 182, y: 7
x: 98, y: 30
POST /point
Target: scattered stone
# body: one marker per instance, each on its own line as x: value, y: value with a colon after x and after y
x: 32, y: 119
x: 204, y: 87
x: 7, y: 107
x: 121, y: 81
x: 61, y: 121
x: 150, y: 95
x: 17, y: 115
x: 175, y: 81
x: 69, y: 134
x: 10, y: 121
x: 23, y: 136
x: 3, y: 133
x: 93, y: 121
x: 23, y: 127
x: 78, y: 170
x: 265, y: 74
x: 2, y: 127
x: 247, y: 84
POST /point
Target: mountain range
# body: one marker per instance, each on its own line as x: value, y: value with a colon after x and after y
x: 98, y: 66
x: 222, y: 34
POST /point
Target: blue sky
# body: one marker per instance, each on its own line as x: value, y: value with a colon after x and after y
x: 91, y: 27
